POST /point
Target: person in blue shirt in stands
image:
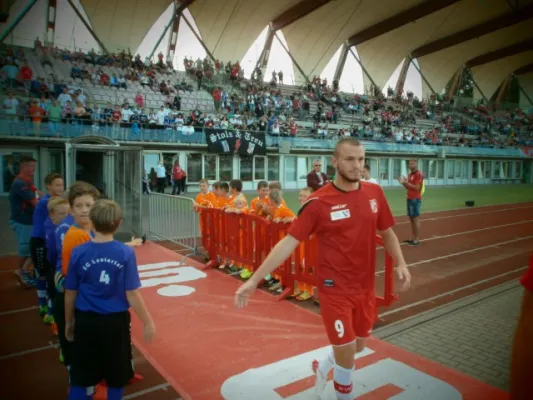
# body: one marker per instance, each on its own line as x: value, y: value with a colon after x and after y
x: 102, y: 283
x: 55, y: 187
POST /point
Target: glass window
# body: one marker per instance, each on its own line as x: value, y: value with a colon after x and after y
x: 330, y: 169
x: 273, y: 168
x: 303, y: 163
x: 488, y: 166
x: 383, y: 169
x: 246, y: 168
x: 432, y: 169
x: 396, y: 167
x: 466, y: 165
x: 290, y: 169
x: 10, y: 167
x: 518, y: 169
x: 440, y: 169
x: 374, y: 172
x: 450, y: 165
x: 424, y: 167
x: 56, y: 162
x: 458, y: 169
x: 475, y: 166
x: 210, y: 167
x: 194, y: 167
x: 497, y: 166
x: 225, y: 168
x: 259, y: 168
x: 505, y: 169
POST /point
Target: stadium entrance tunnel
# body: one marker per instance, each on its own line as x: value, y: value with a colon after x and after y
x: 115, y: 170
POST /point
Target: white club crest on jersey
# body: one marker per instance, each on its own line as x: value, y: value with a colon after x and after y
x: 374, y: 206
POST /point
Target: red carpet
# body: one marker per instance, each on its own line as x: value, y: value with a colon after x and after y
x: 207, y: 349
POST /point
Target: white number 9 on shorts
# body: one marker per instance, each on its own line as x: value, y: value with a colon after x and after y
x: 339, y: 327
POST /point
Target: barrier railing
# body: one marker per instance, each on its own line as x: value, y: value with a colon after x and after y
x: 246, y: 240
x: 173, y: 218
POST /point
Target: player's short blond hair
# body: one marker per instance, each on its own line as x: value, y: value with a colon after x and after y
x: 106, y: 216
x: 345, y: 141
x: 274, y: 185
x: 203, y: 181
x: 307, y: 189
x: 276, y: 196
x: 55, y: 202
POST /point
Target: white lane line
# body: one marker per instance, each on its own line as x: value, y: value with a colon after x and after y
x: 466, y: 214
x: 416, y: 264
x: 31, y: 351
x: 450, y: 292
x: 163, y: 386
x: 467, y: 232
x: 18, y: 310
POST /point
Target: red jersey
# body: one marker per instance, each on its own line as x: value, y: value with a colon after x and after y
x: 345, y: 224
x: 527, y: 280
x: 415, y: 178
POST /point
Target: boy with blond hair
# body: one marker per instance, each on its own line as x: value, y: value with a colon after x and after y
x: 102, y: 283
x: 235, y: 187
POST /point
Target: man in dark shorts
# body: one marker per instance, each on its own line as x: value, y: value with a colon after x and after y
x: 345, y: 217
x: 22, y: 200
x: 413, y: 183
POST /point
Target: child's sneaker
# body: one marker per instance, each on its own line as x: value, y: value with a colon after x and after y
x: 53, y: 327
x: 245, y: 274
x: 48, y: 318
x: 24, y: 279
x: 61, y: 358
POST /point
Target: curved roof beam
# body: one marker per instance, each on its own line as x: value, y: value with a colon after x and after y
x: 400, y: 19
x: 526, y: 69
x: 296, y: 12
x: 475, y: 31
x: 511, y: 50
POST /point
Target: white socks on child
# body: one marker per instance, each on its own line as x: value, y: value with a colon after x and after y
x: 342, y: 381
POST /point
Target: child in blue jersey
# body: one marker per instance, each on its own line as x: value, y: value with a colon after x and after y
x: 58, y: 208
x: 102, y: 283
x: 55, y: 186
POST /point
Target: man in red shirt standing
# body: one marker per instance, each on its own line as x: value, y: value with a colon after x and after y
x: 522, y: 357
x: 413, y: 183
x: 345, y: 216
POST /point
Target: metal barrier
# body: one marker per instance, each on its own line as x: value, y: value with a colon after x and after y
x: 173, y: 218
x: 247, y: 239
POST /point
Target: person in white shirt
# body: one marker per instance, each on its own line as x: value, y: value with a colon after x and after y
x: 366, y: 175
x: 10, y: 105
x: 161, y: 177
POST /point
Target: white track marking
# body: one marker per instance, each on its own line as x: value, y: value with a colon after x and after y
x: 139, y: 393
x: 18, y: 310
x: 31, y: 351
x: 467, y: 232
x: 450, y: 292
x: 466, y: 214
x: 416, y: 264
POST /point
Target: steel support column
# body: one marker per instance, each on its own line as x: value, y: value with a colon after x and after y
x: 262, y: 61
x: 524, y: 93
x: 94, y: 35
x: 504, y: 88
x: 340, y: 64
x: 208, y: 52
x: 423, y: 77
x: 292, y: 59
x: 364, y: 69
x: 156, y: 45
x: 51, y: 12
x: 454, y: 87
x: 171, y: 50
x: 479, y: 90
x: 17, y: 20
x: 400, y: 83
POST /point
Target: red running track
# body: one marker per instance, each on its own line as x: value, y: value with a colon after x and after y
x: 463, y: 251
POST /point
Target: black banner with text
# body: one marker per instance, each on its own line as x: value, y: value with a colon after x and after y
x: 222, y: 141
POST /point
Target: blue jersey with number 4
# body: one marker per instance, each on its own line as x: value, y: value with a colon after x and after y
x: 102, y: 273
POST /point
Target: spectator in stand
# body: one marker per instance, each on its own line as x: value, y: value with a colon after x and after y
x: 11, y: 72
x: 64, y: 97
x: 36, y: 114
x: 11, y: 105
x: 25, y: 76
x: 316, y: 179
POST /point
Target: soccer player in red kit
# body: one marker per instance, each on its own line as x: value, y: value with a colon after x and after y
x: 522, y: 358
x: 345, y: 216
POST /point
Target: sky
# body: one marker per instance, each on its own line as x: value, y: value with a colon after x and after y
x: 71, y: 33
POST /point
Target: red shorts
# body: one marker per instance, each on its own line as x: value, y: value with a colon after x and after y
x: 347, y: 317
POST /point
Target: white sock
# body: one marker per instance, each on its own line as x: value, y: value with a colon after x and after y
x: 327, y: 363
x: 342, y: 381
